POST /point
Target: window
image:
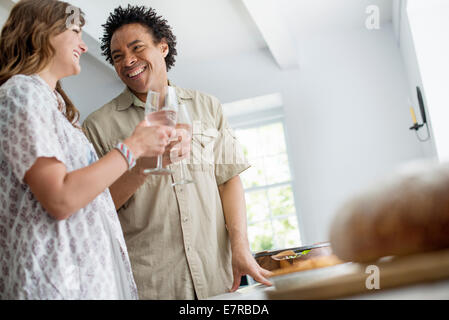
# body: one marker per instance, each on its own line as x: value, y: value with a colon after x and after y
x: 272, y: 217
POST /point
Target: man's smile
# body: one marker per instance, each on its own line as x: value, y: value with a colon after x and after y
x: 134, y: 74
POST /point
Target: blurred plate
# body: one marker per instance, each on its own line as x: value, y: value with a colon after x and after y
x: 295, y: 249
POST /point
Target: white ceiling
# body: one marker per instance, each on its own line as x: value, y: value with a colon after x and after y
x: 204, y: 28
x: 305, y: 17
x: 208, y: 29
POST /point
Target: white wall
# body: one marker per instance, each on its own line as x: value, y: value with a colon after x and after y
x: 93, y: 87
x: 5, y: 8
x: 409, y: 58
x: 346, y: 113
x: 429, y: 26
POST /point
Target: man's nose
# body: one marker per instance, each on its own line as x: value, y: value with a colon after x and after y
x: 130, y: 60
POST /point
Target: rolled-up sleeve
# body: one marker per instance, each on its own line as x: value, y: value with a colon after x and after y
x: 230, y: 160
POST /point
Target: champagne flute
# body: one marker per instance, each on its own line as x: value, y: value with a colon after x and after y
x: 184, y: 123
x: 156, y: 115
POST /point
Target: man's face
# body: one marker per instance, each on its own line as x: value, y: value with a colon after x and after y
x: 138, y: 61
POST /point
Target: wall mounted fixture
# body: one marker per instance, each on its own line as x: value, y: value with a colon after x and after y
x: 416, y: 126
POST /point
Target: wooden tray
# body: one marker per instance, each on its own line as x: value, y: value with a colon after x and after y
x: 350, y: 278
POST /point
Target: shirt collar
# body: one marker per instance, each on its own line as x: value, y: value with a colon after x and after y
x: 125, y: 100
x: 128, y: 99
x: 137, y: 102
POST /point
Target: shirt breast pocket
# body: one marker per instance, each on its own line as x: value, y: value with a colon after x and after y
x: 203, y: 145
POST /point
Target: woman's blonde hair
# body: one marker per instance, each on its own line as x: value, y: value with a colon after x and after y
x: 25, y: 41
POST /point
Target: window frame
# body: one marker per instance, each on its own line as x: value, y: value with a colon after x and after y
x: 260, y: 119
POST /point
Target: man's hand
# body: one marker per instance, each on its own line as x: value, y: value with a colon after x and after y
x: 177, y: 150
x: 234, y: 209
x: 243, y: 263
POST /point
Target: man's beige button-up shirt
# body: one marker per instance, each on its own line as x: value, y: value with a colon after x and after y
x: 176, y: 236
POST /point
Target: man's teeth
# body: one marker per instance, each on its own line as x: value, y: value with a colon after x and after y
x: 76, y: 55
x: 135, y: 73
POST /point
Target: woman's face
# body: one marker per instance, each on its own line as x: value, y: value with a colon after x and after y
x: 69, y: 47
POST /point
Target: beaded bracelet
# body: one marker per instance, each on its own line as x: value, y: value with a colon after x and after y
x: 127, y: 154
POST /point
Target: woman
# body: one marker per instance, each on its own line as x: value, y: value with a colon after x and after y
x: 59, y: 233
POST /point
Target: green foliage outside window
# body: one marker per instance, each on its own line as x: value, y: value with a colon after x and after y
x: 272, y: 221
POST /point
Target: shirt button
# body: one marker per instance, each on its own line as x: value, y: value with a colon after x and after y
x: 185, y: 219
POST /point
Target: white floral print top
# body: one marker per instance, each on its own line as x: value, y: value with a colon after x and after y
x: 82, y: 257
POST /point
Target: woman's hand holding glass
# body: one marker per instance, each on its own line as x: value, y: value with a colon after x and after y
x: 173, y: 152
x: 149, y: 141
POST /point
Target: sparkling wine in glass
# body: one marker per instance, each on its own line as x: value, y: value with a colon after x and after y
x: 184, y: 123
x: 166, y: 116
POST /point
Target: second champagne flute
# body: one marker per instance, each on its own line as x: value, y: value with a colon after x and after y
x: 184, y: 123
x: 156, y: 115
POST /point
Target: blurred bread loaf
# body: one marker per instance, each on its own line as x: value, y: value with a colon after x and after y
x: 406, y: 214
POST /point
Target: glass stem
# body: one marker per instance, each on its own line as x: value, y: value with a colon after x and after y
x: 159, y: 162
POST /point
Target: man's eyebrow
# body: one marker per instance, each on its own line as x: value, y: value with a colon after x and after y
x: 133, y: 43
x: 128, y: 45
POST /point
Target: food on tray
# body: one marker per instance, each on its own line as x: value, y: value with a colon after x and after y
x: 296, y: 255
x: 290, y: 261
x: 312, y: 263
x: 287, y: 258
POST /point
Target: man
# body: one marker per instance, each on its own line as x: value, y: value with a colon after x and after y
x: 188, y: 241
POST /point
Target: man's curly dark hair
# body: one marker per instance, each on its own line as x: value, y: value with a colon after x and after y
x: 147, y: 17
